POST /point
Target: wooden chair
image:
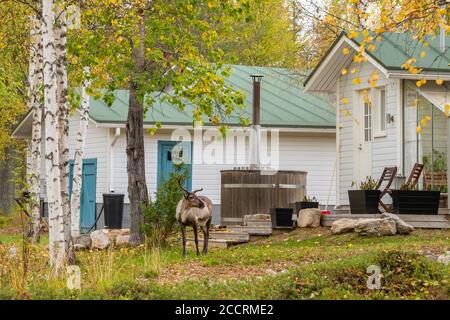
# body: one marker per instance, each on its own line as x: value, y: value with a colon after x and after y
x: 413, y: 179
x: 388, y: 175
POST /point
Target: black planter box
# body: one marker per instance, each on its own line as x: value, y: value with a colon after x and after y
x: 282, y: 217
x: 364, y: 201
x: 416, y: 201
x: 299, y: 205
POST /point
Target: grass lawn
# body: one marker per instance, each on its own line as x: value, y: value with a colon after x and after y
x: 303, y: 264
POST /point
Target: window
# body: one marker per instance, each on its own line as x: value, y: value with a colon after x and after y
x: 380, y: 113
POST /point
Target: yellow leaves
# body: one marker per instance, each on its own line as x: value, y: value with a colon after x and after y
x: 353, y: 34
x: 380, y: 30
x: 423, y: 54
x: 345, y: 51
x: 356, y: 81
x: 211, y: 4
x: 119, y: 39
x: 329, y: 19
x: 344, y: 71
x: 420, y: 83
x: 439, y: 82
x: 353, y: 1
x: 418, y: 129
x: 365, y: 33
x: 344, y: 100
x: 424, y: 121
x: 358, y: 58
x: 408, y: 65
x: 373, y: 79
x: 190, y: 7
x: 354, y: 70
x: 371, y: 47
x: 447, y: 109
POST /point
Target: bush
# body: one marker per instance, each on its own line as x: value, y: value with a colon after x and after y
x: 159, y: 215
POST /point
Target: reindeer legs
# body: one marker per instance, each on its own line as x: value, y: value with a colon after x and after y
x: 205, y: 230
x: 183, y: 233
x: 196, y: 237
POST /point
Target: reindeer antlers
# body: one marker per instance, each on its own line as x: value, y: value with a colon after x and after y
x: 180, y: 185
x: 197, y: 190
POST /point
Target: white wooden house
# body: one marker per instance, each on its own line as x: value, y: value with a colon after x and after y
x: 383, y: 131
x: 305, y: 122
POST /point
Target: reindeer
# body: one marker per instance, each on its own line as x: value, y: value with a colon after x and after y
x: 194, y: 211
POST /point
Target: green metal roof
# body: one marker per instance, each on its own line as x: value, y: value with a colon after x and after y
x: 395, y: 48
x: 283, y: 102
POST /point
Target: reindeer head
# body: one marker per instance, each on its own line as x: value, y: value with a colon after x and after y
x: 191, y: 198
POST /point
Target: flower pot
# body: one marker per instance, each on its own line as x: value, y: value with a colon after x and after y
x: 299, y: 205
x: 364, y: 201
x: 415, y: 201
x: 282, y: 217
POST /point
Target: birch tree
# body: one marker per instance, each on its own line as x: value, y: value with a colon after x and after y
x: 35, y: 81
x: 57, y: 245
x: 78, y: 158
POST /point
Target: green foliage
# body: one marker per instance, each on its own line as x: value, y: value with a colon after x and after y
x: 309, y: 199
x: 368, y: 184
x: 439, y: 161
x: 159, y: 214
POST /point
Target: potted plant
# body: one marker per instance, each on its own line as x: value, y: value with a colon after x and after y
x: 407, y: 200
x: 366, y: 199
x: 306, y: 203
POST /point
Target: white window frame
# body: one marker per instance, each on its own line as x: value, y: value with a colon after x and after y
x: 378, y: 132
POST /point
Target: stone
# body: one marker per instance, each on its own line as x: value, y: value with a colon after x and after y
x: 13, y: 252
x: 258, y: 216
x: 114, y: 233
x: 82, y: 242
x: 123, y: 240
x: 402, y: 226
x: 309, y: 218
x: 444, y: 258
x: 343, y: 225
x: 100, y: 240
x: 376, y: 227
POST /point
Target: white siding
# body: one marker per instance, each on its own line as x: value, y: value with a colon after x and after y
x: 97, y: 142
x: 384, y: 150
x: 298, y: 151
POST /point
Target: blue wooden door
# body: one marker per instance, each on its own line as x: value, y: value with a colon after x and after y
x: 170, y: 151
x: 88, y: 193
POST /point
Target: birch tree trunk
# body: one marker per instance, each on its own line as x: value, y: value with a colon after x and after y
x: 137, y: 186
x: 60, y: 32
x: 35, y: 81
x: 53, y: 173
x: 78, y: 159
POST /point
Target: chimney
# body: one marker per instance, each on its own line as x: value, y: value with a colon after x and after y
x: 256, y: 117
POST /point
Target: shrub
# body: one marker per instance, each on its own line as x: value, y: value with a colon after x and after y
x: 159, y: 214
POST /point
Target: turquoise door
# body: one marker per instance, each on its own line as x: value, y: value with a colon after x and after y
x: 88, y: 193
x: 167, y: 155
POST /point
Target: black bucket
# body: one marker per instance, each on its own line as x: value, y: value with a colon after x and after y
x: 113, y: 206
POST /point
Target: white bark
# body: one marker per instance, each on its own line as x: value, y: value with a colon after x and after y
x: 78, y: 159
x: 53, y: 172
x: 60, y: 32
x: 35, y: 81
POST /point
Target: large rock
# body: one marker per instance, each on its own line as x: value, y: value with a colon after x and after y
x: 402, y: 226
x: 123, y: 240
x: 82, y: 242
x: 445, y: 258
x: 376, y: 227
x: 114, y: 233
x: 100, y: 240
x: 309, y: 218
x: 343, y: 225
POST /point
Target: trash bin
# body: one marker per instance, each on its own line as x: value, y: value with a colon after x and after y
x: 113, y: 206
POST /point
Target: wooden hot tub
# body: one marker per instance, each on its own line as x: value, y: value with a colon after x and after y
x: 255, y: 191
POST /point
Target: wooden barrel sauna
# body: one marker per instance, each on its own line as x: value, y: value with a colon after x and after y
x: 255, y: 191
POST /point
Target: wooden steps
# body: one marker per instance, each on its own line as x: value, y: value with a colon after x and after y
x: 437, y: 221
x: 252, y: 230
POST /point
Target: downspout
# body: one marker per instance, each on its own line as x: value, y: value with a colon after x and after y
x: 338, y: 143
x: 111, y: 163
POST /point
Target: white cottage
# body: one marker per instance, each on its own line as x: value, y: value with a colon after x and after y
x: 403, y: 123
x: 304, y: 126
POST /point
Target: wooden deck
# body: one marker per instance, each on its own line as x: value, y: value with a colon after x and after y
x: 437, y: 221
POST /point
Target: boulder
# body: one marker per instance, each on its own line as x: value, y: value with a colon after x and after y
x: 445, y: 258
x: 82, y: 242
x: 114, y: 233
x: 402, y: 226
x: 123, y: 240
x: 343, y: 225
x: 309, y: 218
x: 100, y: 240
x: 376, y: 227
